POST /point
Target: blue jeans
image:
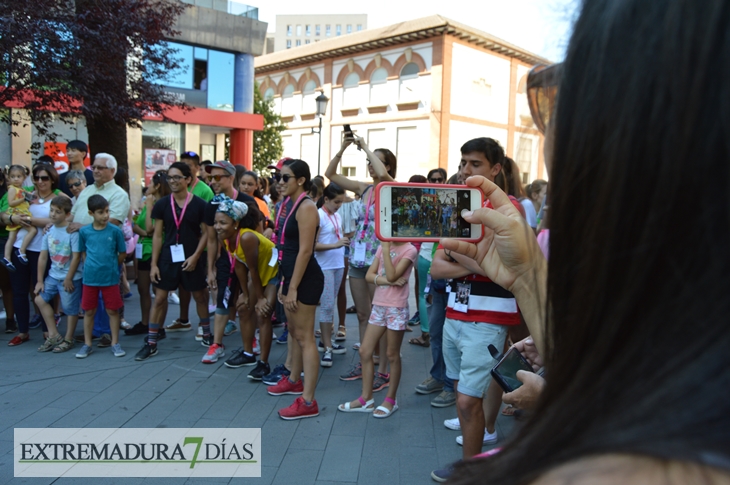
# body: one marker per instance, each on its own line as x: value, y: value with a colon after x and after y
x: 424, y: 265
x: 436, y: 317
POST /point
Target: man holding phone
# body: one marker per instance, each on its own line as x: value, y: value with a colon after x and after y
x: 470, y: 327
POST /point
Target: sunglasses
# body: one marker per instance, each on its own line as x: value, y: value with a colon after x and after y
x: 286, y: 177
x: 436, y: 180
x: 44, y: 178
x: 99, y: 167
x: 218, y: 178
x: 542, y: 93
x: 75, y: 185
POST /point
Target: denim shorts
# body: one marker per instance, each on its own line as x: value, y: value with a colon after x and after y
x: 357, y: 273
x: 466, y: 356
x: 70, y: 302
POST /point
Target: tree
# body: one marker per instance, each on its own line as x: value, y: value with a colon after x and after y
x: 267, y: 145
x: 96, y: 58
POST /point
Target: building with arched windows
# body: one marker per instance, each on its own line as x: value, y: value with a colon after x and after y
x: 419, y: 88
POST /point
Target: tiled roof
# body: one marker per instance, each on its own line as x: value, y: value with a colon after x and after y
x: 366, y: 40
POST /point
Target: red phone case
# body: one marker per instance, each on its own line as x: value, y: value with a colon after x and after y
x: 474, y: 238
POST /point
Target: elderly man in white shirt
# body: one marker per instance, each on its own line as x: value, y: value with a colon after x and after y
x: 104, y: 168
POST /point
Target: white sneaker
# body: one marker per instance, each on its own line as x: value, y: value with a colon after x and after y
x: 489, y: 438
x: 199, y: 335
x: 173, y: 298
x: 326, y: 358
x: 453, y: 424
x: 215, y: 351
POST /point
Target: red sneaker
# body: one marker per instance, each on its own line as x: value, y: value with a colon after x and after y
x: 299, y: 410
x: 285, y: 386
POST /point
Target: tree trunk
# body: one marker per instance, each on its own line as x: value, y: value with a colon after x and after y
x: 108, y: 136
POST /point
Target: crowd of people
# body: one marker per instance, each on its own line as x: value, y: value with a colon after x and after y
x: 627, y: 324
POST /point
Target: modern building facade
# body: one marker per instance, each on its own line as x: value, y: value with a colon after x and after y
x: 298, y: 30
x: 217, y: 43
x: 420, y: 88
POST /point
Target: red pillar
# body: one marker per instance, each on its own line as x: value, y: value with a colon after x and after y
x: 241, y: 148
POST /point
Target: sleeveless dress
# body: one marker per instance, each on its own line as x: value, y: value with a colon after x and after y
x: 312, y: 283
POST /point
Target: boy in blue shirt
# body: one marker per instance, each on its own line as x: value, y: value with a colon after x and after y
x: 104, y: 250
x: 64, y: 277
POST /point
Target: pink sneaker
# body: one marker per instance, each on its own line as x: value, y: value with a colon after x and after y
x: 299, y: 410
x: 285, y: 386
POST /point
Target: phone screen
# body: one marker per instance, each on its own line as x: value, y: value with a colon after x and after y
x: 420, y: 212
x: 508, y: 367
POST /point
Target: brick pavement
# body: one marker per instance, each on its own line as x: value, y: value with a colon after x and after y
x: 174, y: 389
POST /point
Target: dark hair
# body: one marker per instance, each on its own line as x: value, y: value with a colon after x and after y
x: 3, y: 184
x: 97, y: 202
x: 437, y: 170
x: 160, y: 177
x: 62, y: 202
x: 206, y: 162
x: 256, y: 192
x: 330, y: 192
x: 191, y: 156
x: 50, y: 171
x: 77, y: 145
x: 417, y: 179
x: 508, y: 179
x: 16, y: 167
x: 390, y: 160
x: 240, y: 170
x: 252, y: 218
x: 182, y: 167
x: 316, y: 189
x: 489, y: 147
x: 45, y: 159
x: 649, y: 375
x: 273, y: 192
x: 300, y: 169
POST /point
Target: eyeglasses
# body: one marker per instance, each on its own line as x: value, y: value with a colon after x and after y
x: 175, y: 178
x: 218, y: 178
x: 286, y: 177
x: 99, y: 167
x: 542, y: 93
x: 436, y: 180
x: 44, y: 178
x: 73, y: 186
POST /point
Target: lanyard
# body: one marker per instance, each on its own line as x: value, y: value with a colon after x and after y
x: 275, y: 237
x: 333, y: 221
x: 283, y: 229
x: 231, y: 260
x: 178, y: 222
x: 367, y: 212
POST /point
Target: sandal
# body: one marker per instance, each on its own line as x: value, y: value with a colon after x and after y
x: 50, y: 343
x: 351, y: 309
x: 423, y: 341
x: 365, y: 406
x: 509, y: 410
x: 63, y: 346
x: 385, y: 411
x: 341, y: 334
x: 318, y: 333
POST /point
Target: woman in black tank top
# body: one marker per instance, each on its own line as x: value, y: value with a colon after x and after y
x: 301, y: 286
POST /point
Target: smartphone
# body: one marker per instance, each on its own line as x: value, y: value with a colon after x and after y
x: 425, y: 212
x: 349, y: 134
x: 505, y: 372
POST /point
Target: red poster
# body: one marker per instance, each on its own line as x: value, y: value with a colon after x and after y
x: 157, y: 159
x: 57, y: 151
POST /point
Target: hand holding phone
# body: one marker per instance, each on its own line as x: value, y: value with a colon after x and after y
x: 425, y: 212
x: 505, y: 372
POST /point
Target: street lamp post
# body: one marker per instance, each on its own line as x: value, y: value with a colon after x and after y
x: 321, y: 101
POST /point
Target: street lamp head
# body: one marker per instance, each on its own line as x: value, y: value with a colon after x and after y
x: 321, y: 101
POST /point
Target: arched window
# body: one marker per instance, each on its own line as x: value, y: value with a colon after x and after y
x: 378, y: 87
x: 269, y: 93
x: 349, y: 91
x: 308, y: 96
x: 287, y: 100
x: 408, y: 84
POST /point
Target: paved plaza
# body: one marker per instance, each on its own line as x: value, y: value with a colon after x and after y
x: 174, y: 389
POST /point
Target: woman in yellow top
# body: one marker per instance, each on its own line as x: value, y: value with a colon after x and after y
x: 238, y: 226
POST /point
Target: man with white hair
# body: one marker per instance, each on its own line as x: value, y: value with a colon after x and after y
x: 104, y: 168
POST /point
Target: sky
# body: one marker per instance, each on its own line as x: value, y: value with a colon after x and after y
x: 540, y: 26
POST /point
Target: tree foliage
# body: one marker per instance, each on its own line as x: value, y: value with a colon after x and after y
x: 95, y: 58
x: 267, y: 144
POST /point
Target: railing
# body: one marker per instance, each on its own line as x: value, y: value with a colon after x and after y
x: 228, y: 6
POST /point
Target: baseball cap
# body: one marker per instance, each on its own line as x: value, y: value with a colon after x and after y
x: 279, y: 164
x: 224, y: 164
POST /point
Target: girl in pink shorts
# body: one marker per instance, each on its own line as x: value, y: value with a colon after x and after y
x: 389, y: 272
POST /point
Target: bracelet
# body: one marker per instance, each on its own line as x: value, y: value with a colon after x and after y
x: 11, y: 219
x: 376, y: 280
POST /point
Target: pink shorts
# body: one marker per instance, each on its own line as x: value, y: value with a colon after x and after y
x: 110, y: 295
x: 393, y: 318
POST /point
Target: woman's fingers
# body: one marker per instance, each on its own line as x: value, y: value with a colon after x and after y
x: 491, y: 191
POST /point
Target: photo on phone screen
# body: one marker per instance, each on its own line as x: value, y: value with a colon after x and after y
x: 505, y: 372
x: 421, y: 212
